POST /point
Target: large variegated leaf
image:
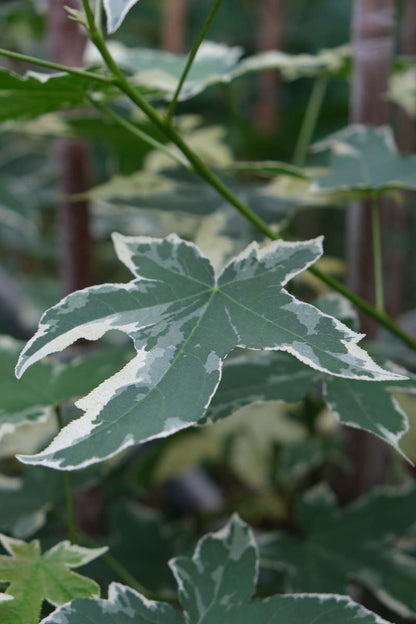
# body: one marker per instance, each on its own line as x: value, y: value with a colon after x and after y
x: 359, y: 543
x: 183, y: 322
x: 216, y: 586
x: 33, y: 577
x: 365, y: 160
x: 26, y: 97
x: 48, y: 384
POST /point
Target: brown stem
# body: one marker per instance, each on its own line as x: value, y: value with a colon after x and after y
x: 174, y: 25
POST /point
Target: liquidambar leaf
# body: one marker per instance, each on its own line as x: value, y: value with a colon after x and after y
x: 216, y: 586
x: 34, y: 577
x: 365, y: 160
x: 355, y: 544
x: 184, y: 322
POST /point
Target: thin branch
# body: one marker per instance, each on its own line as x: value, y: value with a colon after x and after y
x: 24, y: 58
x: 191, y: 59
x: 377, y: 254
x: 146, y: 138
x: 310, y: 119
x: 205, y: 173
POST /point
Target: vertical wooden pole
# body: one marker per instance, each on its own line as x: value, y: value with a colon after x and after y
x: 174, y: 25
x: 373, y: 45
x: 67, y: 43
x: 270, y: 37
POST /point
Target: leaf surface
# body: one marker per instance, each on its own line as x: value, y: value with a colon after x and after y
x: 357, y: 543
x: 26, y: 97
x: 183, y: 323
x: 215, y: 585
x: 365, y: 160
x: 116, y: 11
x: 33, y: 577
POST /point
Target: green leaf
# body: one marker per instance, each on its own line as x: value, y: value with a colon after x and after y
x: 48, y: 384
x: 358, y: 543
x: 184, y: 322
x: 215, y: 585
x: 34, y: 577
x: 402, y: 89
x: 26, y: 97
x: 365, y: 160
x: 268, y: 377
x: 116, y: 11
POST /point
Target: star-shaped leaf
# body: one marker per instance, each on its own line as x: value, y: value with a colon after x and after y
x: 216, y: 585
x: 183, y: 323
x: 339, y: 546
x: 33, y: 577
x: 365, y: 161
x: 48, y: 384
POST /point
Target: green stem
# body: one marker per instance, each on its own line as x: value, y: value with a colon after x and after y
x: 57, y: 66
x: 70, y: 516
x: 191, y: 59
x: 377, y: 255
x: 98, y: 12
x: 206, y: 174
x: 310, y: 120
x: 127, y: 125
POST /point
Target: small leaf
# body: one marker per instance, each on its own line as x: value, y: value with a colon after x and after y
x: 184, y: 322
x: 216, y: 586
x: 365, y: 160
x: 355, y: 544
x: 34, y: 577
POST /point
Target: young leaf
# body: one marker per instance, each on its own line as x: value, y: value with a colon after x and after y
x: 365, y: 160
x: 34, y: 577
x: 355, y: 544
x: 48, y: 383
x: 26, y: 97
x: 184, y: 322
x: 215, y: 585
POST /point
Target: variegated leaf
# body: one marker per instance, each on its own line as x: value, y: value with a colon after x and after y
x: 116, y: 11
x: 215, y: 585
x: 365, y: 160
x: 183, y: 323
x: 359, y: 543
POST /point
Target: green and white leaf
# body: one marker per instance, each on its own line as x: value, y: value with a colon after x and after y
x: 33, y: 577
x: 26, y: 97
x: 184, y: 322
x: 215, y: 585
x: 48, y: 384
x: 116, y: 11
x: 217, y: 63
x: 365, y: 160
x: 358, y: 543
